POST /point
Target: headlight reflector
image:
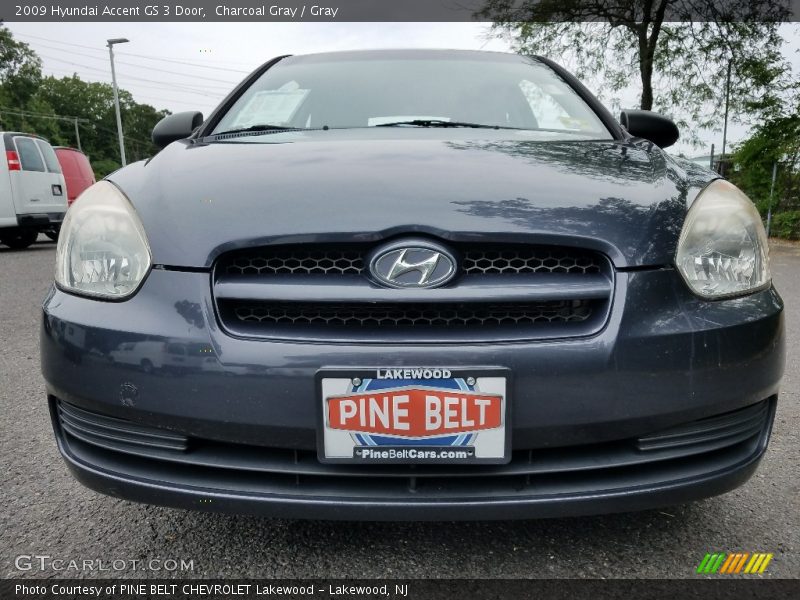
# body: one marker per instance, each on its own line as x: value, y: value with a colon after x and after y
x: 723, y: 248
x: 102, y: 247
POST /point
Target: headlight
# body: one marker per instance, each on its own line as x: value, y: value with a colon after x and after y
x: 102, y: 247
x: 723, y: 249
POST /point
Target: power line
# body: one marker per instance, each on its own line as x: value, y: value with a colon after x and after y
x: 178, y: 86
x: 181, y: 62
x: 28, y: 113
x: 231, y: 83
x: 163, y: 99
x: 160, y: 85
x: 127, y: 136
x: 94, y: 125
x: 145, y: 56
x: 122, y: 62
x: 74, y: 121
x: 206, y: 105
x: 36, y: 37
x: 91, y: 123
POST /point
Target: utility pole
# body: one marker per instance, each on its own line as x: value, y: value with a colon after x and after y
x: 771, y: 191
x: 725, y: 127
x: 77, y: 135
x: 116, y: 96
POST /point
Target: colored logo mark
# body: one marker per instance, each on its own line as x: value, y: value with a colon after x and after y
x: 734, y: 563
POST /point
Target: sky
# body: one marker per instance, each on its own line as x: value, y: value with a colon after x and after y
x: 192, y: 66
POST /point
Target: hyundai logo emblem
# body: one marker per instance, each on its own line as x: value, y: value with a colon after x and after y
x: 412, y: 264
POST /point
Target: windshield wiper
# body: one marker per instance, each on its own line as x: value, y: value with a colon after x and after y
x: 441, y: 123
x: 265, y: 128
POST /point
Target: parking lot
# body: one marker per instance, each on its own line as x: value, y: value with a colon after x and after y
x: 45, y: 512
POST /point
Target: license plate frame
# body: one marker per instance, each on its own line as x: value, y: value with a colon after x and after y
x: 493, y: 448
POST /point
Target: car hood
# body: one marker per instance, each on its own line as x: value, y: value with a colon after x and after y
x: 197, y: 200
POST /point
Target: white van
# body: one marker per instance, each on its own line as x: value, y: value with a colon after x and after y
x: 33, y: 194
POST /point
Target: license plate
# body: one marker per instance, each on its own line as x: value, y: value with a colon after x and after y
x: 414, y: 415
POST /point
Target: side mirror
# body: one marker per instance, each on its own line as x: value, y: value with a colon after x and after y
x: 651, y: 126
x: 176, y: 127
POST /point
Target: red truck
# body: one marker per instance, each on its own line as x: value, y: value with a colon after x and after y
x: 77, y: 170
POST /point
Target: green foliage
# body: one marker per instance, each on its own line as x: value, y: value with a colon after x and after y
x: 680, y: 66
x: 776, y: 141
x: 94, y: 103
x: 24, y: 91
x: 786, y: 225
x: 20, y: 70
x: 104, y: 167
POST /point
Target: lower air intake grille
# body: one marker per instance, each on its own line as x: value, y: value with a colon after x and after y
x: 115, y: 433
x: 221, y: 466
x: 728, y: 428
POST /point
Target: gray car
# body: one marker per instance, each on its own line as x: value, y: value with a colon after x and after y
x: 413, y: 285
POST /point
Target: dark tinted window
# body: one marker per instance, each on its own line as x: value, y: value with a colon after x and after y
x: 50, y: 158
x: 29, y: 156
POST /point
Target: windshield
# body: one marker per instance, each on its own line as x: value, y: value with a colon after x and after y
x: 421, y: 90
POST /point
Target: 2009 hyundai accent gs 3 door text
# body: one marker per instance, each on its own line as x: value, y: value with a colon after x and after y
x: 413, y: 285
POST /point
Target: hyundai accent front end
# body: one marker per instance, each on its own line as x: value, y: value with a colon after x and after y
x: 412, y: 285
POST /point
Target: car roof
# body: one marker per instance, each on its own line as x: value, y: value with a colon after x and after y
x: 33, y: 135
x: 68, y: 148
x: 409, y: 53
x: 7, y: 138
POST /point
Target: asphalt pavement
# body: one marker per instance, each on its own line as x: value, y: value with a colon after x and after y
x: 47, y: 513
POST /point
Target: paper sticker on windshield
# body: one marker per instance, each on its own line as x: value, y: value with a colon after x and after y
x: 271, y: 107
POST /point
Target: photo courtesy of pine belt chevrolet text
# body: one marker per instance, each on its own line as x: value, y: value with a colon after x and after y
x: 413, y: 285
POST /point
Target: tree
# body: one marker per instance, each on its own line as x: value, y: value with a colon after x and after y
x: 93, y: 103
x: 679, y: 49
x: 43, y: 105
x: 775, y: 142
x: 20, y: 76
x: 138, y: 123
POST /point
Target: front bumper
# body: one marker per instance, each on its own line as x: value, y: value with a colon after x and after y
x: 41, y: 221
x: 664, y: 359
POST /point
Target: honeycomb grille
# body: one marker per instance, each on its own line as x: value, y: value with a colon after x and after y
x: 529, y: 260
x: 297, y: 262
x: 413, y: 315
x: 349, y: 260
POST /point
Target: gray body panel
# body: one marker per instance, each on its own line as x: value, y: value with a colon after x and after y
x: 625, y: 199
